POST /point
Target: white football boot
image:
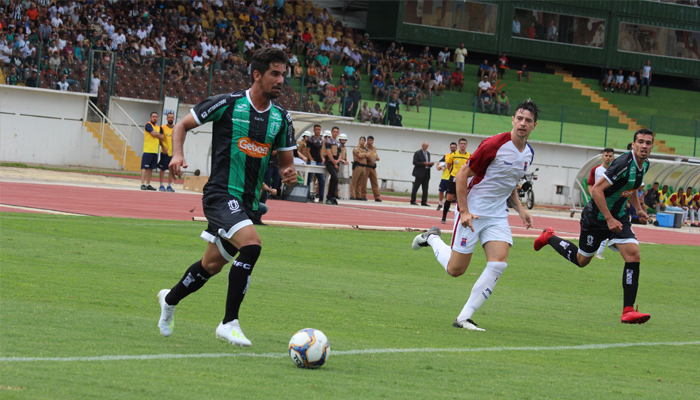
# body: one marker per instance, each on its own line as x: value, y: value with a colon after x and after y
x: 422, y: 239
x: 232, y: 333
x: 467, y: 324
x: 166, y: 323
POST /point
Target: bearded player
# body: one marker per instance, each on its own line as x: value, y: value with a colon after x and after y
x: 606, y: 218
x: 482, y: 213
x: 248, y: 126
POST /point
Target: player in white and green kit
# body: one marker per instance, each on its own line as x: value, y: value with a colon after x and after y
x: 247, y: 127
x: 605, y: 218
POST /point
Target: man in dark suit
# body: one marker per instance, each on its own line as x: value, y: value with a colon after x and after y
x: 421, y: 171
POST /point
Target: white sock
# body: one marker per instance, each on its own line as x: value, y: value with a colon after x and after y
x: 442, y: 251
x: 482, y: 288
x: 601, y: 249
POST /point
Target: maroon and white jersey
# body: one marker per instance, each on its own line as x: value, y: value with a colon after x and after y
x: 596, y: 173
x: 498, y: 166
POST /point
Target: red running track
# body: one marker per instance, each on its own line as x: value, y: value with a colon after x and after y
x: 130, y: 203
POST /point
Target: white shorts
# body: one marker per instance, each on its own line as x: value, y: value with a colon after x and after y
x: 486, y: 229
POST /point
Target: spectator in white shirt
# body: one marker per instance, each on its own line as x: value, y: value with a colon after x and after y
x: 94, y: 85
x: 61, y: 41
x: 331, y: 40
x: 118, y: 38
x: 57, y: 21
x: 142, y: 32
x: 62, y: 85
x: 206, y: 47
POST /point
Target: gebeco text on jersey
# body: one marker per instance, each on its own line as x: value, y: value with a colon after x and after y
x: 253, y: 148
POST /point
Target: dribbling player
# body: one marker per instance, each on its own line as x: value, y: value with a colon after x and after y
x: 482, y: 214
x: 248, y: 126
x: 606, y: 218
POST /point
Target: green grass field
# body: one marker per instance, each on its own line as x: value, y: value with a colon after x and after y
x: 675, y: 111
x: 86, y: 287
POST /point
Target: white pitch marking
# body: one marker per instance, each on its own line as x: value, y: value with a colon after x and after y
x: 348, y: 352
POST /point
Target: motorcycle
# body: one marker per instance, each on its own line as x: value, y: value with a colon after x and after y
x: 525, y: 192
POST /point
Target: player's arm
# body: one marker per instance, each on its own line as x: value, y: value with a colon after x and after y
x: 179, y: 132
x: 461, y: 183
x: 285, y: 160
x: 152, y: 132
x: 522, y: 212
x: 641, y: 210
x: 599, y: 197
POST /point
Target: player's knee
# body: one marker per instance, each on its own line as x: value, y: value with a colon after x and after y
x: 251, y: 252
x: 497, y: 266
x: 213, y: 267
x: 583, y: 261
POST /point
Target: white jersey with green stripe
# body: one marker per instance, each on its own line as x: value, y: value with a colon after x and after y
x: 243, y: 139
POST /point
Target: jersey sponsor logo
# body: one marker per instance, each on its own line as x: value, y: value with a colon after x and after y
x: 234, y: 206
x: 241, y: 107
x: 205, y: 115
x: 507, y: 163
x: 214, y: 107
x: 253, y: 148
x: 245, y: 121
x: 275, y: 117
x: 259, y: 119
x: 628, y: 193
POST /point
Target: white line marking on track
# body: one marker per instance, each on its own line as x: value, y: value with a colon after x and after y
x: 348, y: 352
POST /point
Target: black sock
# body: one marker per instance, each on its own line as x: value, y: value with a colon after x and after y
x: 195, y: 277
x: 567, y: 249
x: 446, y: 209
x: 630, y: 282
x: 239, y: 279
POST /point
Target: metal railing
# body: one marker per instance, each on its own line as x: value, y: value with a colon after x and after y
x: 99, y: 122
x: 127, y: 123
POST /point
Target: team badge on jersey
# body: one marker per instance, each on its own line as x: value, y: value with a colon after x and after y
x: 234, y: 206
x: 463, y: 242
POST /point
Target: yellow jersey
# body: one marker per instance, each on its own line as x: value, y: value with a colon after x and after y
x: 458, y: 160
x: 151, y: 143
x: 168, y: 133
x: 446, y: 171
x: 664, y: 197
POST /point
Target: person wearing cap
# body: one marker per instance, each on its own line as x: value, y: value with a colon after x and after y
x: 372, y: 158
x: 359, y: 170
x: 301, y: 146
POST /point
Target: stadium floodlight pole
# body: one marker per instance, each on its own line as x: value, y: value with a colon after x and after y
x: 561, y: 132
x: 607, y: 121
x: 474, y: 115
x: 695, y: 145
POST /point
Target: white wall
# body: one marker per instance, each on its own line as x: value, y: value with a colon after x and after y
x: 558, y: 163
x: 43, y: 126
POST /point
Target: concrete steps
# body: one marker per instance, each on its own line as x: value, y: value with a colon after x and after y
x: 114, y: 145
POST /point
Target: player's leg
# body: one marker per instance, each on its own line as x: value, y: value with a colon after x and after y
x: 455, y: 257
x: 194, y: 278
x: 589, y: 241
x: 496, y: 239
x: 630, y: 283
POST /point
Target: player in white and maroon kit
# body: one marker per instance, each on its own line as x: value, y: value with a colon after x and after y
x: 596, y: 173
x: 483, y: 186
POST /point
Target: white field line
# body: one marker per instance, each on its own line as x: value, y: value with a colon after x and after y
x: 348, y: 352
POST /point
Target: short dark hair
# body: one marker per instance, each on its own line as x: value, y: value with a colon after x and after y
x: 643, y: 131
x: 170, y: 113
x: 154, y: 112
x: 315, y: 125
x: 629, y: 145
x: 665, y: 187
x: 528, y: 105
x: 608, y: 150
x: 370, y: 137
x: 453, y: 143
x: 335, y: 127
x: 463, y: 139
x: 655, y: 183
x: 264, y: 57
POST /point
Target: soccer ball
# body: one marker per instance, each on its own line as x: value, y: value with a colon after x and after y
x: 442, y: 164
x: 309, y: 348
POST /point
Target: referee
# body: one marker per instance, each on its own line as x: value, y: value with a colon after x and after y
x: 247, y: 126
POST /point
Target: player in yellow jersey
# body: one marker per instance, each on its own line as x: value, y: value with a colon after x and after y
x: 445, y: 181
x: 454, y: 162
x: 166, y: 152
x: 149, y: 160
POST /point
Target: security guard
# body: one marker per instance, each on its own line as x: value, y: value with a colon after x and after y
x: 359, y: 170
x: 372, y: 159
x: 301, y: 146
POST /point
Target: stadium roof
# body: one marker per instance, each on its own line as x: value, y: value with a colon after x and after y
x: 303, y: 121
